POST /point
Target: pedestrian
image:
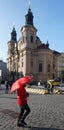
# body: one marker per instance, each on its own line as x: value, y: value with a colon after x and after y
x: 0, y: 84
x: 7, y: 87
x: 22, y: 102
x: 52, y: 88
x: 10, y: 83
x: 48, y: 88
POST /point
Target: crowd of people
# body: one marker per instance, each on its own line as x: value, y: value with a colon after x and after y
x: 47, y: 86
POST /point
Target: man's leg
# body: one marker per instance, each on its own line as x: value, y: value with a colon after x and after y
x: 21, y: 114
x: 26, y: 113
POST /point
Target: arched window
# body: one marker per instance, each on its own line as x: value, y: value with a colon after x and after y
x: 40, y: 67
x: 31, y: 39
x: 48, y: 68
x: 22, y: 63
x: 22, y: 54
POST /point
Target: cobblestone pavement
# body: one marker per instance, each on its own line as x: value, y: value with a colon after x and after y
x: 47, y: 112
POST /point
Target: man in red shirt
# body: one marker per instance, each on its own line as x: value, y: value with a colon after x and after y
x: 22, y: 102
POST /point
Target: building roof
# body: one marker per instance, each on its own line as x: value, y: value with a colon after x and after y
x: 56, y: 52
x: 43, y: 46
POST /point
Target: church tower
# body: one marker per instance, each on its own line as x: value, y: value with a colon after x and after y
x: 12, y: 43
x: 13, y: 35
x: 29, y: 31
x: 12, y: 55
x: 27, y: 43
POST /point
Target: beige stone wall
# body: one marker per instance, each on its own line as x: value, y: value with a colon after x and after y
x: 27, y: 56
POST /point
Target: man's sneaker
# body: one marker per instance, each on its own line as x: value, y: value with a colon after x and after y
x: 24, y: 123
x: 20, y: 125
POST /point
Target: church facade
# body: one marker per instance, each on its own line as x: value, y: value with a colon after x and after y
x: 29, y: 56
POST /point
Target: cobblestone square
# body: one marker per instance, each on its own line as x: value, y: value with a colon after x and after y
x: 47, y: 112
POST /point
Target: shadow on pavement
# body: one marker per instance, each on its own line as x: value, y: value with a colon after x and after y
x: 41, y: 128
x: 10, y: 113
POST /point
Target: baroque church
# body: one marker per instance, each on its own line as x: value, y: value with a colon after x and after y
x: 29, y: 56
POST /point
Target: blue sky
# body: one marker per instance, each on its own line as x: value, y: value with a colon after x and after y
x: 48, y: 19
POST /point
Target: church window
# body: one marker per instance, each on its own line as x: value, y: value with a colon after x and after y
x: 22, y: 54
x: 22, y: 63
x: 40, y: 67
x: 31, y: 39
x: 48, y: 68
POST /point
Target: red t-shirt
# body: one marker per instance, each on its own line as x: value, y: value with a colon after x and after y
x: 22, y: 96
